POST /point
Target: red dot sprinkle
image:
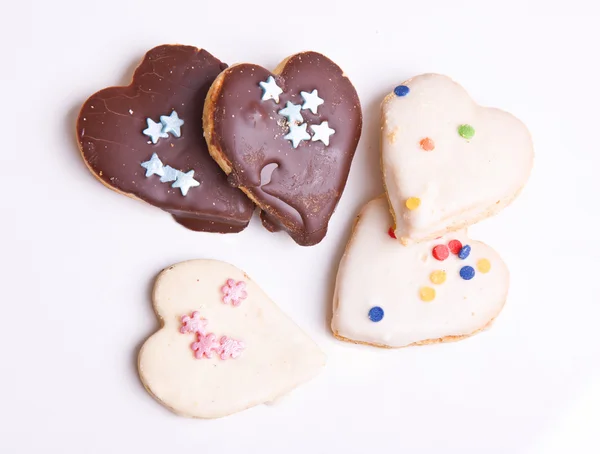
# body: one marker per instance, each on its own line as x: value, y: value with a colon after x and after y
x: 440, y: 252
x: 392, y: 233
x: 455, y: 246
x: 427, y: 144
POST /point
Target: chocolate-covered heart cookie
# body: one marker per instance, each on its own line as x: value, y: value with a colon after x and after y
x: 286, y: 138
x: 146, y: 141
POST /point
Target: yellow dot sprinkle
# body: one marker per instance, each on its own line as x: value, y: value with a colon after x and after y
x: 412, y: 203
x: 484, y: 265
x: 427, y: 294
x: 438, y: 277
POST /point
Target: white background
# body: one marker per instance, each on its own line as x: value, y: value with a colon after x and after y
x: 78, y: 260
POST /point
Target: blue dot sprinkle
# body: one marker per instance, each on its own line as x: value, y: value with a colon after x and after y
x: 401, y: 90
x: 375, y: 314
x: 467, y: 273
x: 464, y: 252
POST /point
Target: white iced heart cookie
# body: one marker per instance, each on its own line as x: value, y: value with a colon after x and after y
x: 224, y: 346
x: 390, y: 295
x: 448, y: 162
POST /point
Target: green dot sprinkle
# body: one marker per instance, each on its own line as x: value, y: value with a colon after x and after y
x: 466, y: 131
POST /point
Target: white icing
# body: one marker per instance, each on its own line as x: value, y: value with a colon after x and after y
x: 277, y: 356
x: 461, y: 181
x: 377, y: 270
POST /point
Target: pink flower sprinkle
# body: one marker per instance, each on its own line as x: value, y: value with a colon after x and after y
x: 193, y: 324
x: 206, y: 345
x: 234, y: 292
x: 230, y: 348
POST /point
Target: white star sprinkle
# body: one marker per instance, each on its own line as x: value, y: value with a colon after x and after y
x: 322, y: 132
x: 154, y: 166
x: 292, y: 112
x: 172, y: 124
x: 185, y: 181
x: 169, y: 174
x: 154, y: 130
x: 297, y: 134
x: 271, y: 90
x: 311, y: 100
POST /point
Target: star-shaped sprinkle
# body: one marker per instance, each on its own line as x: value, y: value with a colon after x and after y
x: 292, y: 112
x: 169, y: 174
x: 172, y: 124
x: 154, y: 130
x: 154, y: 166
x: 297, y: 134
x: 311, y: 100
x: 270, y: 90
x: 185, y: 181
x: 322, y: 132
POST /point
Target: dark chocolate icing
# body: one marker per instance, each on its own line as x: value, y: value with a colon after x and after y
x: 248, y: 132
x: 109, y: 131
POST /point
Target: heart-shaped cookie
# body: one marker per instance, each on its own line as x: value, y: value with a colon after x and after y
x: 224, y: 346
x: 286, y: 138
x: 390, y: 295
x: 145, y: 141
x: 447, y: 162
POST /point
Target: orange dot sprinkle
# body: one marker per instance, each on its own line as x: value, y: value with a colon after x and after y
x: 426, y: 294
x: 412, y: 203
x: 484, y: 265
x: 427, y: 144
x: 438, y: 277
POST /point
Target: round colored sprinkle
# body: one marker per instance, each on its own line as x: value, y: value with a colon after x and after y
x: 455, y: 246
x: 440, y: 252
x: 464, y: 252
x: 438, y: 277
x: 427, y: 144
x: 467, y: 273
x: 484, y: 265
x: 401, y: 90
x: 412, y: 203
x: 466, y: 131
x: 426, y: 294
x: 392, y: 233
x: 375, y: 314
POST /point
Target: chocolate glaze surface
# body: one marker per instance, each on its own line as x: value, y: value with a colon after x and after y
x: 109, y: 131
x: 248, y: 133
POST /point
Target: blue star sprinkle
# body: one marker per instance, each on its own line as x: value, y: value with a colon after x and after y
x: 154, y: 166
x: 292, y: 112
x: 169, y: 174
x: 154, y: 131
x: 322, y: 132
x: 311, y: 100
x: 270, y: 90
x: 297, y: 134
x: 185, y: 181
x: 172, y: 124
